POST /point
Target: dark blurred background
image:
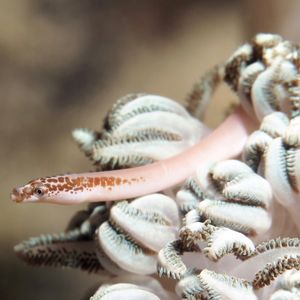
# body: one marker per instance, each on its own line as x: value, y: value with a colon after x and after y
x: 64, y: 63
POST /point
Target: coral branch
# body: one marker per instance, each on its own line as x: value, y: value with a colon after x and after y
x: 60, y: 254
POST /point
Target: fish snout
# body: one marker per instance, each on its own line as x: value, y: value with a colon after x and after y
x: 15, y: 195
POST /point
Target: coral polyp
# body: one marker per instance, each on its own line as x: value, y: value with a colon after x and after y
x: 239, y: 193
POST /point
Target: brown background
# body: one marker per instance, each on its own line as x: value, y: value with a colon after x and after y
x: 63, y: 64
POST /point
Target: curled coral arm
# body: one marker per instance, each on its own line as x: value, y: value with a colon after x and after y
x: 224, y: 142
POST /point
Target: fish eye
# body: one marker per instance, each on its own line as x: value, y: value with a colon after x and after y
x: 39, y: 191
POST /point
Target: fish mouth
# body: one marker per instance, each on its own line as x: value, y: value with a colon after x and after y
x: 16, y: 196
